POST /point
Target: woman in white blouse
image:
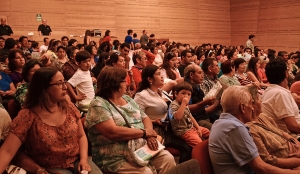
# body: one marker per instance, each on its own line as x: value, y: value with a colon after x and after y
x: 151, y: 99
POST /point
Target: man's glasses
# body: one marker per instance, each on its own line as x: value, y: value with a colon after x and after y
x: 59, y: 84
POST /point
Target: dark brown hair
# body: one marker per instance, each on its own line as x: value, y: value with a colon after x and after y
x: 37, y: 91
x: 165, y: 65
x: 109, y: 81
x: 183, y: 86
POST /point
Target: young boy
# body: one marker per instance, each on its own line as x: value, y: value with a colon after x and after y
x: 82, y: 81
x: 183, y: 123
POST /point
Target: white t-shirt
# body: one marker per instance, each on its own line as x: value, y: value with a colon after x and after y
x: 5, y: 121
x: 278, y: 103
x: 83, y: 83
x: 43, y: 48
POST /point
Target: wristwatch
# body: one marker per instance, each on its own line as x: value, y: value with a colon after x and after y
x: 144, y: 133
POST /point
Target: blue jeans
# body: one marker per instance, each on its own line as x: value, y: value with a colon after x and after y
x: 94, y: 169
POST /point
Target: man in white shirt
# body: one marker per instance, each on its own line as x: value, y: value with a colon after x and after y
x: 277, y: 101
x: 45, y: 46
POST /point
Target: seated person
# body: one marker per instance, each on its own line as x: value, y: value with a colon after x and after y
x: 50, y: 129
x: 16, y: 61
x: 231, y: 148
x: 109, y: 132
x: 198, y: 106
x: 183, y: 123
x: 140, y: 61
x: 5, y: 121
x: 277, y: 101
x: 272, y: 142
x: 82, y: 81
x: 27, y: 72
x: 70, y: 67
x: 7, y: 88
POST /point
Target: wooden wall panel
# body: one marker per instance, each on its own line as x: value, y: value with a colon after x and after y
x: 186, y: 21
x: 276, y: 23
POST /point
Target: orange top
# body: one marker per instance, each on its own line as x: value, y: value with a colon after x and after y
x: 49, y: 146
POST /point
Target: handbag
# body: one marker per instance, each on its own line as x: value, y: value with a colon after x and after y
x: 12, y: 169
x: 133, y: 144
x: 294, y: 148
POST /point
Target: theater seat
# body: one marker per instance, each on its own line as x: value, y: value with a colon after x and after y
x: 201, y: 154
x: 173, y: 151
x: 12, y: 109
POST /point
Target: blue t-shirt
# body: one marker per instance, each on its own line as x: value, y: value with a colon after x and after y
x: 231, y: 146
x: 128, y: 39
x: 5, y: 82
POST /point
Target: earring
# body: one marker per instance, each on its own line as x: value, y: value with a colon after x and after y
x: 150, y: 83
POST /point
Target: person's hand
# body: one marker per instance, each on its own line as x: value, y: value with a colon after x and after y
x: 152, y: 143
x: 209, y: 101
x: 179, y: 80
x: 130, y: 73
x: 2, y: 92
x: 83, y: 165
x: 159, y: 123
x: 150, y: 133
x: 9, y: 93
x: 94, y: 80
x: 199, y: 132
x: 257, y: 84
x: 205, y: 132
x: 185, y: 100
x: 80, y: 97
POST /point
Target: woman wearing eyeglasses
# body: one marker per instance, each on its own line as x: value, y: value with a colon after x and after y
x: 50, y: 129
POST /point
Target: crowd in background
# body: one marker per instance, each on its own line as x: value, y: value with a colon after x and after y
x: 67, y: 97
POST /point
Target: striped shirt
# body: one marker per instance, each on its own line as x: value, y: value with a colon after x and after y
x: 243, y: 81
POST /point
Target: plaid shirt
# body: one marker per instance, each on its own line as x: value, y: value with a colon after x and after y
x: 208, y: 83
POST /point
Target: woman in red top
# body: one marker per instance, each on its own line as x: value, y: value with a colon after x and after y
x: 106, y: 38
x: 50, y: 129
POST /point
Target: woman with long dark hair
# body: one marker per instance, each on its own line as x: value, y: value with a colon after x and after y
x: 100, y: 64
x: 252, y: 71
x: 169, y: 70
x: 87, y: 37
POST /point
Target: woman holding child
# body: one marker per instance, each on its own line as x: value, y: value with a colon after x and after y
x: 109, y: 133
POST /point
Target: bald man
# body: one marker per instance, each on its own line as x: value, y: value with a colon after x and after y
x: 44, y: 29
x: 5, y: 29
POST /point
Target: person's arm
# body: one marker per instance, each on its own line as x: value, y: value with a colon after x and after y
x: 8, y: 150
x: 26, y: 163
x: 11, y: 91
x: 212, y: 107
x: 151, y: 141
x: 195, y: 107
x: 113, y: 132
x: 150, y: 57
x: 180, y: 112
x: 50, y: 33
x: 72, y: 94
x: 259, y: 166
x: 40, y: 33
x: 83, y: 149
x: 292, y: 124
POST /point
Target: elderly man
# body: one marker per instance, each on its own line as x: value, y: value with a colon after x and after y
x: 231, y: 147
x: 44, y: 29
x: 193, y: 74
x: 5, y: 29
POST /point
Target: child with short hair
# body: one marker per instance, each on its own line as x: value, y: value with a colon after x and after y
x: 183, y: 123
x: 82, y: 81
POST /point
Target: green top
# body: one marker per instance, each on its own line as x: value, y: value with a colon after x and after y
x: 107, y: 154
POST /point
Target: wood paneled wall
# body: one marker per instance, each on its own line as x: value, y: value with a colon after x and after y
x: 187, y: 21
x: 275, y: 23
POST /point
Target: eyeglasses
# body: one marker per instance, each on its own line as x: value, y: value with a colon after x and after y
x: 59, y: 84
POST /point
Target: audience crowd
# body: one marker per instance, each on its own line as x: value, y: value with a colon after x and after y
x: 71, y: 106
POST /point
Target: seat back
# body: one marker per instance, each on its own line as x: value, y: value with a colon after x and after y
x: 190, y: 167
x: 12, y: 109
x: 201, y: 154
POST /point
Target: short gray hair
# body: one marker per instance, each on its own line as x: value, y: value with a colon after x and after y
x: 234, y: 96
x: 190, y: 68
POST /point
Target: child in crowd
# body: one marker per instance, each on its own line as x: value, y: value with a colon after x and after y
x: 183, y: 123
x: 82, y: 81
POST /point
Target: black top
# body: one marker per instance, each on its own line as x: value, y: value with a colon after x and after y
x: 197, y: 96
x: 45, y: 30
x: 5, y: 30
x: 181, y: 69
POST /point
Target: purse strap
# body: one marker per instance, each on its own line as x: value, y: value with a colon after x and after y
x: 126, y: 121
